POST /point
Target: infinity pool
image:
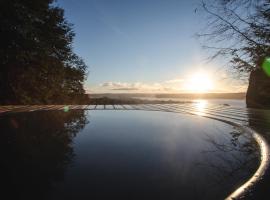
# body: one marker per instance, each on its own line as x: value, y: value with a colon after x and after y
x: 123, y: 155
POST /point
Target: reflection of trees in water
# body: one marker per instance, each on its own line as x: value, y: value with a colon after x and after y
x: 36, y: 147
x: 259, y: 120
x: 230, y: 158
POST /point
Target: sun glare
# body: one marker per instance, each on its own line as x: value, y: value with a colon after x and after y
x: 200, y: 82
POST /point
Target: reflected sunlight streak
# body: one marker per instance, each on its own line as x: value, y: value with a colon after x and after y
x: 200, y: 106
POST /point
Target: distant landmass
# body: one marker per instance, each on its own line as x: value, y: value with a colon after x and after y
x: 171, y: 96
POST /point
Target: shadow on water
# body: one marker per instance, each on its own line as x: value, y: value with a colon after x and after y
x: 36, y: 148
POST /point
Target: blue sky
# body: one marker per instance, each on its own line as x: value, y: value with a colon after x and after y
x: 138, y: 45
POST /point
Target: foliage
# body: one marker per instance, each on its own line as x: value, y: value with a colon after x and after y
x: 37, y: 62
x: 240, y: 31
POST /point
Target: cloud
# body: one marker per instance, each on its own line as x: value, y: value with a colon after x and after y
x: 125, y: 89
x: 178, y: 84
x: 142, y: 87
x: 174, y: 81
x: 121, y: 85
x: 126, y: 86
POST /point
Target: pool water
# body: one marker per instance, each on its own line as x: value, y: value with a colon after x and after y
x: 123, y: 155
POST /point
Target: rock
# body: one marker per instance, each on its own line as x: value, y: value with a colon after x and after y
x: 258, y: 93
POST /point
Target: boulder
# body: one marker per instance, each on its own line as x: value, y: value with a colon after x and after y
x: 258, y: 93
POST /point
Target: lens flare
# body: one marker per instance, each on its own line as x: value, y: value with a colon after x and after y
x: 66, y: 108
x: 266, y: 66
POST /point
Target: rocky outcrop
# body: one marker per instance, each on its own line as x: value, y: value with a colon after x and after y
x: 258, y: 93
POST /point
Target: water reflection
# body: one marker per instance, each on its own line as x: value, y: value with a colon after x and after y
x: 36, y: 148
x: 259, y: 120
x: 122, y: 155
x: 200, y: 106
x: 233, y: 161
x: 145, y: 155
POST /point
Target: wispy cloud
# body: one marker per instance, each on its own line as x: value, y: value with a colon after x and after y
x: 174, y: 81
x: 125, y: 89
x: 121, y: 85
x: 170, y: 85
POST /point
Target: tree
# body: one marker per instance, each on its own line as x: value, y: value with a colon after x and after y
x: 37, y: 62
x: 240, y: 30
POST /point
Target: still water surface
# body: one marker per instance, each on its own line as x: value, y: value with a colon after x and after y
x: 240, y: 103
x: 122, y: 155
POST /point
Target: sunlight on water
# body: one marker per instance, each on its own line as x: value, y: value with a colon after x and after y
x: 200, y: 106
x: 107, y: 154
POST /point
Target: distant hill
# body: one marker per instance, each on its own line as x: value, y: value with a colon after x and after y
x: 172, y: 96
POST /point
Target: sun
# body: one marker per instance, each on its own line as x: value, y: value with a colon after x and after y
x: 199, y: 83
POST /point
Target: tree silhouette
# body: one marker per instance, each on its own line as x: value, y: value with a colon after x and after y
x: 38, y: 65
x: 240, y: 31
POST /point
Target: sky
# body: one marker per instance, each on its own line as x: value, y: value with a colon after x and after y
x: 143, y: 46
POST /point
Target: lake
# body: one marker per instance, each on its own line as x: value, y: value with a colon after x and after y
x: 240, y: 103
x: 122, y: 155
